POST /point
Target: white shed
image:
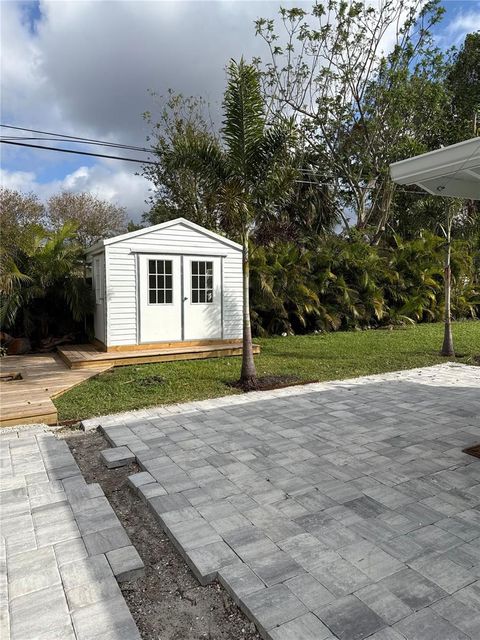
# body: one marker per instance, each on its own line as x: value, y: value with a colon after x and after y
x: 173, y: 282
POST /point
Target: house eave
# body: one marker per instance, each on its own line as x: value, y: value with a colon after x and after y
x: 451, y: 171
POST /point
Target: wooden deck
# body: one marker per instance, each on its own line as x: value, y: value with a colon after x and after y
x: 44, y: 377
x: 85, y: 356
x: 29, y: 400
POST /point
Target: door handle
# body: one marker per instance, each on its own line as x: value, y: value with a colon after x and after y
x: 185, y: 298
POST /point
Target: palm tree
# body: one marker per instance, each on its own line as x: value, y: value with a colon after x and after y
x: 41, y: 276
x: 249, y: 170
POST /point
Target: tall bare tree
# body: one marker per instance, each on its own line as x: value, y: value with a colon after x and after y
x: 358, y: 78
x: 95, y: 218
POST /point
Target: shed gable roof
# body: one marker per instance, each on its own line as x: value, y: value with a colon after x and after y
x: 161, y: 226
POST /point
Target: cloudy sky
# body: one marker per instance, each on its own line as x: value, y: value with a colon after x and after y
x: 84, y: 68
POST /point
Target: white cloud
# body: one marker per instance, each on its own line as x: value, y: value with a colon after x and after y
x: 464, y: 22
x: 87, y: 67
x: 86, y: 70
x: 111, y: 184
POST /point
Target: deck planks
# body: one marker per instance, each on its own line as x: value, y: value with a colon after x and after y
x: 85, y: 356
x: 44, y: 377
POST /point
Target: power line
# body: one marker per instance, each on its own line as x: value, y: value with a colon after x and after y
x: 113, y: 145
x: 411, y: 192
x: 80, y: 153
x: 77, y: 138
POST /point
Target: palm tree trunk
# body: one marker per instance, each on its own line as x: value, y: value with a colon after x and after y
x: 447, y: 348
x: 248, y: 375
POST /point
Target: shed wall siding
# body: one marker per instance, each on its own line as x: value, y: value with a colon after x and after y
x: 121, y: 268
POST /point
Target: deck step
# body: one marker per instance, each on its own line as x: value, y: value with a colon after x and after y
x: 42, y: 377
x: 84, y: 356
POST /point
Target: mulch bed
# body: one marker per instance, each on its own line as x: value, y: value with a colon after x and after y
x: 473, y: 451
x: 168, y: 603
x: 268, y: 383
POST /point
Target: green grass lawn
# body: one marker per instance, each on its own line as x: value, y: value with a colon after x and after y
x: 331, y: 356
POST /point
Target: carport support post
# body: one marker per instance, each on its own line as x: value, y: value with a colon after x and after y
x: 447, y: 348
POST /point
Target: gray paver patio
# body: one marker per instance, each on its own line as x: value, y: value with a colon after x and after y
x: 62, y: 548
x: 336, y: 510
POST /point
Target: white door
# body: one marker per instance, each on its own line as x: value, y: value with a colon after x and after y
x: 202, y: 287
x: 98, y: 276
x: 160, y: 298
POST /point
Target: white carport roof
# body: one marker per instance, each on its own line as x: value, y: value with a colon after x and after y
x: 453, y: 171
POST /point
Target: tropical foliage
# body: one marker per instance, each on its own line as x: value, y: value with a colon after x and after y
x: 247, y: 170
x: 346, y: 283
x: 333, y: 243
x: 298, y: 173
x: 43, y: 289
x: 43, y: 275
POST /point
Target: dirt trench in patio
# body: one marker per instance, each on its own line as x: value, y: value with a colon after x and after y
x: 168, y: 603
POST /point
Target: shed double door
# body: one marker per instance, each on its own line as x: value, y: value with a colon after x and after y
x: 180, y: 298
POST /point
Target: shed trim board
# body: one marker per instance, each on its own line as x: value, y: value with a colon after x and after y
x: 452, y: 171
x: 173, y: 282
x: 158, y: 227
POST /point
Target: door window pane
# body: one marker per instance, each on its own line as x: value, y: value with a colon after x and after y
x: 160, y: 286
x: 202, y: 282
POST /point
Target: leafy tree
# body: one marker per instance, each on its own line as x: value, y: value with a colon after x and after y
x: 181, y: 191
x: 133, y: 226
x: 248, y: 171
x: 463, y: 82
x: 308, y: 212
x: 94, y: 218
x: 359, y: 108
x: 18, y: 213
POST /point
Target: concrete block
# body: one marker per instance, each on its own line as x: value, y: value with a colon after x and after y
x: 137, y: 480
x: 275, y: 567
x: 306, y: 627
x: 70, y: 551
x: 350, y: 619
x: 239, y: 580
x: 108, y: 619
x: 126, y: 563
x: 31, y: 571
x: 106, y: 540
x: 85, y: 571
x: 152, y: 490
x: 272, y: 607
x: 41, y: 615
x: 412, y: 588
x: 91, y: 593
x: 163, y: 504
x: 370, y: 559
x: 384, y: 603
x: 207, y: 560
x: 427, y: 625
x: 443, y: 572
x: 309, y: 590
x: 340, y: 577
x: 117, y: 457
x: 249, y: 543
x: 191, y: 534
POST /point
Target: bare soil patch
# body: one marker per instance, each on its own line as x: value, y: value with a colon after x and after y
x: 168, y: 603
x: 268, y: 383
x: 473, y: 451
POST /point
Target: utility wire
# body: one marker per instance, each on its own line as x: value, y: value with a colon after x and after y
x: 80, y: 153
x: 113, y: 145
x: 13, y: 140
x: 78, y: 138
